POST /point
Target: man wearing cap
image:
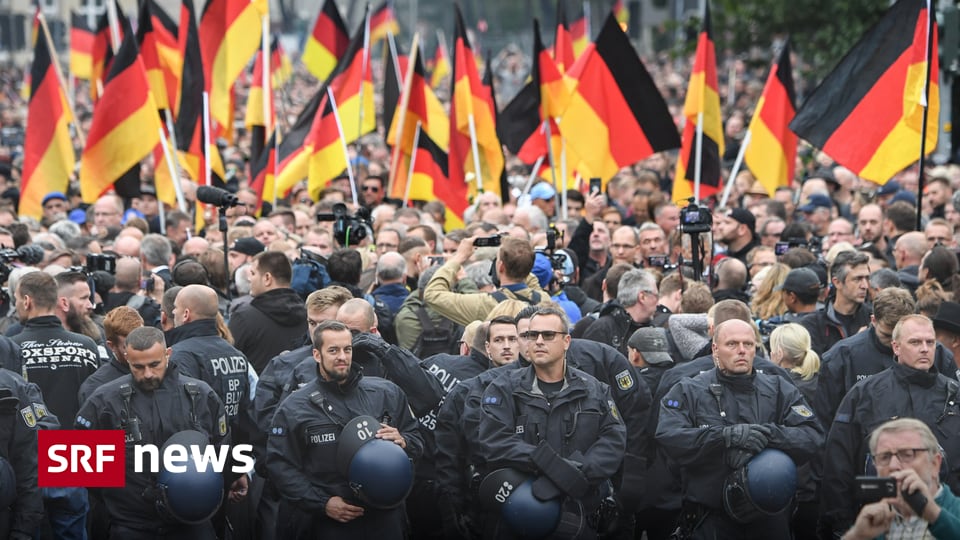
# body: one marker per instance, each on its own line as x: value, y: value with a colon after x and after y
x: 242, y: 251
x: 947, y: 325
x: 54, y: 207
x: 886, y: 192
x: 544, y: 196
x: 800, y: 291
x: 817, y: 211
x: 716, y: 422
x: 304, y: 438
x: 736, y: 229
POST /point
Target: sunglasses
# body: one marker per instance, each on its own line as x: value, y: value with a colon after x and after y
x: 374, y: 189
x: 547, y: 335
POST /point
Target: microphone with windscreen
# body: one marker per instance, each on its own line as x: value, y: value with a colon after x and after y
x: 216, y: 196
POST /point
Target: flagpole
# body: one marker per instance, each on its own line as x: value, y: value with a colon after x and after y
x: 476, y: 152
x: 736, y: 169
x: 174, y: 173
x: 563, y: 173
x: 392, y: 43
x: 533, y: 175
x: 402, y: 108
x: 265, y: 79
x: 343, y: 143
x: 413, y: 161
x: 553, y: 167
x: 926, y: 107
x: 364, y: 61
x: 698, y: 166
x: 586, y: 19
x: 63, y: 85
x: 114, y: 25
x: 181, y: 200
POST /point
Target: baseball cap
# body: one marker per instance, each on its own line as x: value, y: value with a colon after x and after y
x: 53, y: 195
x: 543, y: 191
x: 78, y: 216
x: 904, y: 196
x: 817, y: 200
x: 247, y: 246
x: 651, y: 342
x: 889, y: 188
x: 800, y: 280
x: 743, y: 216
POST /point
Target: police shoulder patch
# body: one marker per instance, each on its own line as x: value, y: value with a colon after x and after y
x: 40, y: 410
x: 29, y: 417
x: 222, y: 424
x: 613, y: 409
x: 802, y: 410
x: 625, y: 380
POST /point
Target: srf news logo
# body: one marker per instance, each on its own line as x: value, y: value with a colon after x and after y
x: 98, y: 458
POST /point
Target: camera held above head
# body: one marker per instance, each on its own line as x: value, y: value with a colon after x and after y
x: 695, y: 219
x: 348, y: 230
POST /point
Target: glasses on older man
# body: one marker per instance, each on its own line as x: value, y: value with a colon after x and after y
x: 904, y: 455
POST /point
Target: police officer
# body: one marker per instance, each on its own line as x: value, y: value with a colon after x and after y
x: 303, y: 441
x: 151, y: 404
x: 457, y: 461
x: 199, y: 352
x: 58, y: 361
x: 554, y: 420
x: 21, y: 411
x: 714, y: 423
x: 911, y: 388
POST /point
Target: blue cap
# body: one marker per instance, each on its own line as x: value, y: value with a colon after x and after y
x: 542, y: 269
x: 889, y: 188
x: 817, y: 200
x: 53, y: 195
x: 543, y: 191
x: 131, y: 213
x: 78, y: 216
x: 906, y: 196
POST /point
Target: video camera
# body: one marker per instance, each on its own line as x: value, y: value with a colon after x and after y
x: 695, y: 219
x: 348, y: 230
x: 813, y: 245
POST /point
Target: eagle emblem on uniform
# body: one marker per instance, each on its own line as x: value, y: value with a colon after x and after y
x: 28, y: 417
x: 802, y: 410
x: 625, y: 380
x: 222, y: 424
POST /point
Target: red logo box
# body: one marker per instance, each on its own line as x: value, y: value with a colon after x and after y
x: 81, y: 458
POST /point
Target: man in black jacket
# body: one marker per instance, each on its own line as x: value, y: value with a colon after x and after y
x: 118, y: 323
x: 849, y: 312
x: 275, y: 320
x: 911, y: 388
x: 302, y: 448
x: 636, y: 305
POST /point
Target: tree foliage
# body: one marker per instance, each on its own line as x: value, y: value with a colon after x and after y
x: 822, y: 31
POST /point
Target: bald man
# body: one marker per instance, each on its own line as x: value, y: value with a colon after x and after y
x: 200, y: 351
x: 908, y: 253
x: 127, y: 246
x: 126, y: 292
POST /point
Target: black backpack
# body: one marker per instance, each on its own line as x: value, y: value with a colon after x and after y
x: 436, y: 338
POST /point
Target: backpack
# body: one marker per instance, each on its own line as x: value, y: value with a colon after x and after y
x: 501, y: 296
x: 309, y: 274
x: 436, y: 338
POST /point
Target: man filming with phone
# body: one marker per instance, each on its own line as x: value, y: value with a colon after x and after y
x: 907, y: 451
x: 513, y: 264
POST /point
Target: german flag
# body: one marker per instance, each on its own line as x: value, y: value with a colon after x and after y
x: 394, y: 71
x: 164, y: 37
x: 422, y: 106
x: 263, y: 171
x: 81, y: 46
x: 147, y: 41
x: 189, y: 121
x: 702, y: 99
x: 259, y: 104
x: 100, y: 54
x: 520, y: 126
x: 580, y: 34
x: 229, y: 37
x: 352, y: 88
x: 48, y: 157
x: 431, y: 181
x: 472, y: 102
x: 616, y: 115
x: 125, y: 125
x: 563, y: 53
x: 772, y: 150
x: 383, y: 21
x: 26, y: 84
x: 440, y: 65
x: 327, y: 43
x: 293, y: 156
x: 281, y: 68
x: 868, y: 112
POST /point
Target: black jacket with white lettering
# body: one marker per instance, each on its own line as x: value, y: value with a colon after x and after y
x: 898, y: 392
x: 693, y: 416
x: 302, y: 445
x: 56, y: 360
x: 161, y: 413
x: 200, y: 352
x: 22, y: 410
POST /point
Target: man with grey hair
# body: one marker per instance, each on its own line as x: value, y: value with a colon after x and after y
x: 156, y: 254
x: 882, y: 279
x: 391, y: 275
x: 634, y: 307
x: 849, y: 312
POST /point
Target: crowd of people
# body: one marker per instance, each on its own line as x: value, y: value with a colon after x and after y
x: 591, y: 369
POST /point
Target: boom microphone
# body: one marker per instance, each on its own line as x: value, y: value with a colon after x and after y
x: 216, y: 196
